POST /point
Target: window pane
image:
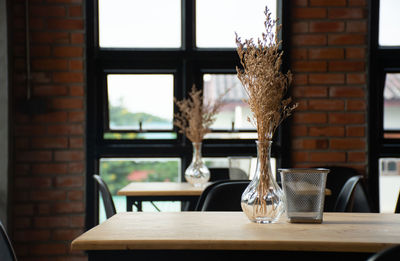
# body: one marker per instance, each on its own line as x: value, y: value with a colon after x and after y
x: 391, y: 110
x: 389, y: 184
x: 217, y: 21
x: 234, y: 113
x: 140, y: 101
x: 140, y: 24
x: 389, y: 20
x: 119, y: 172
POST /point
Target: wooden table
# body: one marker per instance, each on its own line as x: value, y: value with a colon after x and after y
x: 137, y: 192
x: 230, y: 235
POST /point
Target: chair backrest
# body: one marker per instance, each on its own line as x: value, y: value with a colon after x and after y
x: 6, y: 250
x: 219, y: 174
x: 397, y: 209
x: 352, y: 197
x: 337, y: 177
x: 106, y: 196
x: 224, y: 195
x: 388, y: 254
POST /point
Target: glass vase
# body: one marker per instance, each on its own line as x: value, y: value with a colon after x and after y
x: 197, y: 173
x: 262, y: 200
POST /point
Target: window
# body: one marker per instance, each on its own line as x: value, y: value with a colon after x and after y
x: 143, y: 54
x: 384, y: 104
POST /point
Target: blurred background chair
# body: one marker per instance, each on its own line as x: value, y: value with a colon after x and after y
x: 106, y: 196
x: 6, y: 250
x: 388, y: 254
x: 223, y: 195
x: 337, y: 177
x: 352, y: 197
x: 218, y: 174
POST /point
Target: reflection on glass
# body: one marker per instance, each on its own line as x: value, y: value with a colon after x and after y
x: 234, y: 113
x: 140, y: 24
x: 119, y: 172
x: 217, y: 21
x: 391, y: 110
x: 140, y: 102
x: 389, y: 20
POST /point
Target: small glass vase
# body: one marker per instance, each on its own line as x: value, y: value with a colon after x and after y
x: 197, y: 173
x: 262, y: 200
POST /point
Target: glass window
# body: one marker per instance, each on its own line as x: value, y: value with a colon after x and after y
x: 140, y: 102
x: 389, y: 184
x: 137, y: 24
x: 217, y: 21
x: 389, y: 20
x: 391, y: 107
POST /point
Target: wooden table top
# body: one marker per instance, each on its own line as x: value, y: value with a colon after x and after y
x: 161, y: 189
x: 339, y: 232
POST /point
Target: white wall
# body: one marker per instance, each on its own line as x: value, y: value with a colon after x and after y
x: 3, y: 113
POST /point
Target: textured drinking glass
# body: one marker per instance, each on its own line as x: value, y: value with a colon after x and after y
x: 197, y: 173
x: 304, y: 194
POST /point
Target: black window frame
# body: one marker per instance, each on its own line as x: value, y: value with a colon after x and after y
x: 188, y: 63
x: 382, y: 60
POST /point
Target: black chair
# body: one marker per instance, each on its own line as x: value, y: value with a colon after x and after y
x: 6, y: 250
x: 397, y: 209
x: 223, y: 195
x: 388, y: 254
x: 106, y: 195
x: 337, y: 177
x: 352, y: 197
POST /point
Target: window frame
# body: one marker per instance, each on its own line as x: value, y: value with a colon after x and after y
x: 188, y: 65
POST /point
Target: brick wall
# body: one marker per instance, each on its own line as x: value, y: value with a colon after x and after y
x: 328, y: 59
x: 48, y: 143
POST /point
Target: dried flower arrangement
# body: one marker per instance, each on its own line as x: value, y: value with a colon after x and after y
x: 266, y: 87
x: 194, y: 117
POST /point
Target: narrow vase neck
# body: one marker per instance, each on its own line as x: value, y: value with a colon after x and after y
x: 196, y: 151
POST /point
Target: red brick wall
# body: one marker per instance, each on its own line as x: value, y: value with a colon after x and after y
x: 48, y: 147
x: 328, y: 59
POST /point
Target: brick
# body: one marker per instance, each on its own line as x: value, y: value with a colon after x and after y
x: 356, y: 26
x: 77, y: 38
x: 67, y: 51
x: 300, y: 27
x: 36, y: 23
x: 355, y: 53
x: 323, y: 156
x: 308, y: 13
x: 40, y: 51
x: 21, y: 143
x: 310, y: 144
x: 310, y: 91
x: 65, y: 1
x: 298, y: 54
x: 326, y: 27
x: 309, y: 40
x: 326, y: 78
x: 50, y: 37
x: 76, y: 195
x: 76, y: 143
x: 76, y: 65
x: 65, y: 24
x: 68, y: 207
x: 347, y: 143
x: 299, y: 2
x: 356, y: 78
x: 65, y: 129
x: 309, y: 118
x: 357, y: 2
x: 40, y: 77
x: 48, y: 195
x: 356, y: 105
x: 72, y: 155
x: 299, y: 156
x: 302, y: 105
x: 326, y: 105
x: 76, y: 116
x: 66, y: 234
x: 298, y: 130
x: 47, y: 11
x: 69, y: 182
x: 355, y: 156
x: 50, y: 142
x: 77, y: 221
x: 22, y: 222
x: 76, y: 167
x: 52, y: 222
x: 43, y: 209
x: 75, y: 11
x: 346, y: 118
x: 67, y: 103
x: 49, y: 64
x: 348, y: 92
x: 48, y: 249
x: 346, y: 39
x: 36, y: 182
x: 346, y: 66
x: 346, y: 13
x: 23, y: 209
x: 33, y: 156
x: 328, y: 3
x: 309, y: 66
x: 50, y: 90
x: 50, y: 168
x: 326, y: 53
x: 32, y: 235
x: 68, y: 77
x: 76, y: 90
x: 300, y: 79
x: 329, y: 131
x: 355, y: 131
x: 51, y: 117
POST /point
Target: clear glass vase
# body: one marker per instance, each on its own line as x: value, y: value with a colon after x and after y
x: 262, y: 200
x: 197, y: 173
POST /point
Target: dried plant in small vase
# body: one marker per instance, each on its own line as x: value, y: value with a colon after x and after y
x: 266, y: 86
x: 194, y: 120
